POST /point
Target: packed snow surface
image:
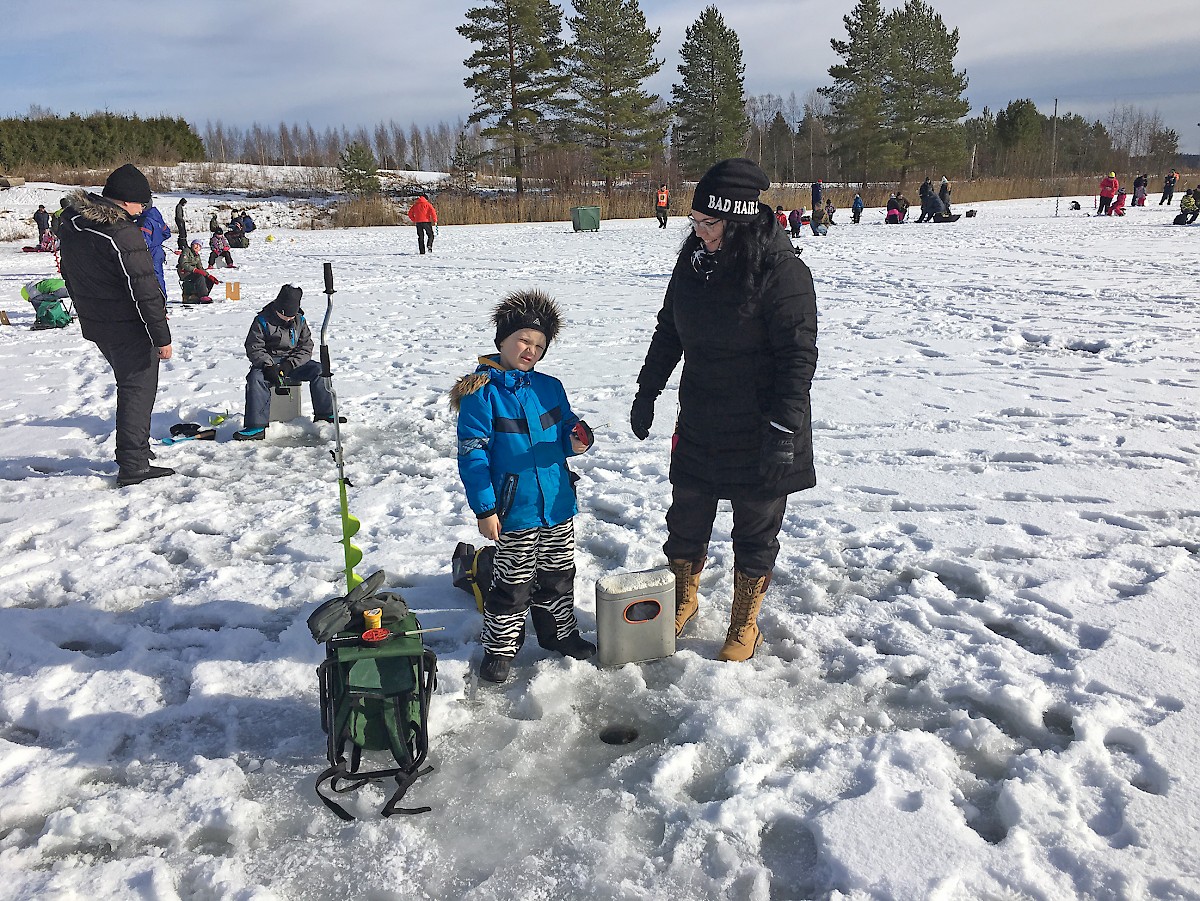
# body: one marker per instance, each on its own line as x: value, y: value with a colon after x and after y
x: 979, y: 678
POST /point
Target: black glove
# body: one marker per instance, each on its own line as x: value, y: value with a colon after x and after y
x: 273, y: 373
x: 778, y: 454
x: 287, y: 366
x: 641, y: 415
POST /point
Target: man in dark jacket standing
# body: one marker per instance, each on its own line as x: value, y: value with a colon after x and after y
x: 121, y: 306
x: 42, y: 218
x: 181, y: 223
x: 1168, y: 191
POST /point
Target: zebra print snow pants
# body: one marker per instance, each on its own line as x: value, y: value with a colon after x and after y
x: 533, y: 568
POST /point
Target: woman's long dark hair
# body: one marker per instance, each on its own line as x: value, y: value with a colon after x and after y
x: 744, y: 250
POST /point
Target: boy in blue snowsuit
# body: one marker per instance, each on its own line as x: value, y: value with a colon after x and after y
x: 515, y: 432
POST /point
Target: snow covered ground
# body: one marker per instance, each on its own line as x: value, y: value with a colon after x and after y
x: 979, y: 678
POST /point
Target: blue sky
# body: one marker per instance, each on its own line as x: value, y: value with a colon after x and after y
x: 357, y: 62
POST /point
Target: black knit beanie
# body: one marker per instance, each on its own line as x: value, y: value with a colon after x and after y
x: 287, y: 302
x: 527, y: 309
x: 729, y: 190
x: 127, y: 184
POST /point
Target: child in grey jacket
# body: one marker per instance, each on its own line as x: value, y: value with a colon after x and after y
x: 280, y: 348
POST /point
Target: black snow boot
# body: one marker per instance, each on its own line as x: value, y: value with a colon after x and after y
x: 574, y: 645
x: 126, y: 479
x: 495, y: 668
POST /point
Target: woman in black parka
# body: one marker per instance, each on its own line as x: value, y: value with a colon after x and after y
x: 741, y: 311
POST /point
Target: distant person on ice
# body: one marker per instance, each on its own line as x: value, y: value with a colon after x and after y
x: 279, y: 346
x: 120, y: 306
x: 796, y: 221
x: 944, y: 194
x: 662, y: 203
x: 1168, y: 191
x: 1139, y: 190
x: 181, y: 223
x: 741, y: 312
x: 1118, y: 207
x: 1108, y: 190
x: 42, y: 219
x: 816, y: 221
x: 424, y: 217
x: 515, y: 433
x: 219, y: 247
x: 1189, y: 207
x: 194, y: 281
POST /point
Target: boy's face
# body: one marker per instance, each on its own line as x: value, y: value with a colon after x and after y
x: 522, y: 349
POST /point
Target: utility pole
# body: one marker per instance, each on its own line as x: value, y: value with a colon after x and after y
x: 1054, y: 157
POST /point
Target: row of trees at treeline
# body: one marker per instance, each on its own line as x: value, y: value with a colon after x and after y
x: 569, y: 113
x: 42, y: 138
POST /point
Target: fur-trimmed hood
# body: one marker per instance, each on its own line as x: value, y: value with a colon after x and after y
x: 469, y: 384
x: 95, y: 208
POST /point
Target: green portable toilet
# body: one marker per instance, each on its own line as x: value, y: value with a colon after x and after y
x: 585, y: 218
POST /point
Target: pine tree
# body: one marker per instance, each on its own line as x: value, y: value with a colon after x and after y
x: 709, y: 104
x: 856, y: 96
x: 612, y: 55
x: 1023, y: 133
x: 923, y: 91
x: 462, y: 165
x: 516, y: 73
x: 358, y: 169
x: 779, y: 154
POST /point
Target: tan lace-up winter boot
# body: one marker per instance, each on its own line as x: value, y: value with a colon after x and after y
x: 743, y: 637
x: 687, y: 586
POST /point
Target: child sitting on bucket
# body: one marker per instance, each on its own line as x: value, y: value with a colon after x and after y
x: 194, y: 280
x: 515, y: 432
x: 280, y: 348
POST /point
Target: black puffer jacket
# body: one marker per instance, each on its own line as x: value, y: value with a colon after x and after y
x: 110, y: 274
x: 739, y: 374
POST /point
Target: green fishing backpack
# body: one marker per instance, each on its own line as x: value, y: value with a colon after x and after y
x: 51, y: 314
x: 375, y: 698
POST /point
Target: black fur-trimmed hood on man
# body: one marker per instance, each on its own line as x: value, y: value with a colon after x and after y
x: 97, y: 209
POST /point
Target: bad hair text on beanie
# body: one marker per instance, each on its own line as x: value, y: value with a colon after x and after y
x: 730, y: 189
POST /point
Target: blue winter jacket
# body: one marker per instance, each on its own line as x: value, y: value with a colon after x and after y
x: 156, y: 232
x: 514, y: 437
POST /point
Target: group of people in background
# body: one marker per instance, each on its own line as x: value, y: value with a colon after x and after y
x: 1113, y: 198
x: 935, y: 207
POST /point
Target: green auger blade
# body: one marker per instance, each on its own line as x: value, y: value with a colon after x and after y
x: 350, y: 527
